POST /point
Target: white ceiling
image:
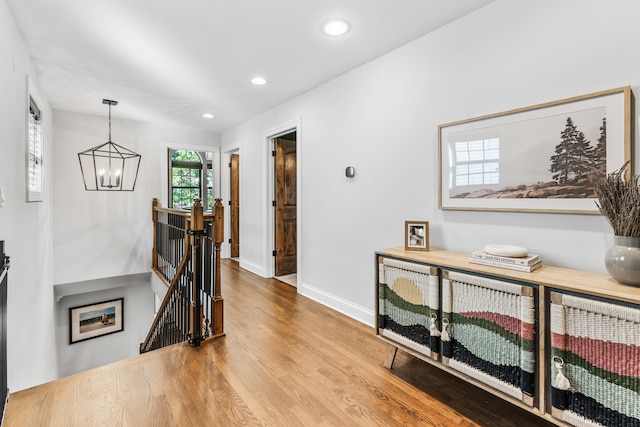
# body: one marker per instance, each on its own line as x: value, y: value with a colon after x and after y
x: 173, y: 60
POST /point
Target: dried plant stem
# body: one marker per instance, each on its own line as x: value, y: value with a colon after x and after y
x: 619, y: 201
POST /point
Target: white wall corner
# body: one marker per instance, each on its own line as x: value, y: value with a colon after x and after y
x: 254, y: 268
x: 158, y: 287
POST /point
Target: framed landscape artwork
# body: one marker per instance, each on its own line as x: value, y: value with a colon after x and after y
x: 95, y: 320
x: 543, y: 158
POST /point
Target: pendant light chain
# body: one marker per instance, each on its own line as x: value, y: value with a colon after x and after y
x: 110, y: 103
x: 109, y: 122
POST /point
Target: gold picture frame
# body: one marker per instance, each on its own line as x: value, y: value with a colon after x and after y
x: 416, y: 235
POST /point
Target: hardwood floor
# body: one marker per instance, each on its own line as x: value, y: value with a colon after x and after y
x: 285, y: 361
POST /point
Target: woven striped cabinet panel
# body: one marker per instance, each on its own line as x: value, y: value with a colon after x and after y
x: 408, y: 305
x: 488, y: 332
x: 595, y: 362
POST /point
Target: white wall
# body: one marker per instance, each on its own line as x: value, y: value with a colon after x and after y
x: 26, y: 227
x: 83, y: 355
x: 382, y: 118
x: 103, y: 234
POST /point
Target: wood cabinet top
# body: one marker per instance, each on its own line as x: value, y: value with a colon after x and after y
x: 600, y: 285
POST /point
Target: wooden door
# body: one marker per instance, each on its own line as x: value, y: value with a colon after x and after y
x: 234, y: 203
x: 285, y: 207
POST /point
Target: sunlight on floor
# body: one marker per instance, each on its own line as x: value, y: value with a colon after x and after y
x: 289, y: 279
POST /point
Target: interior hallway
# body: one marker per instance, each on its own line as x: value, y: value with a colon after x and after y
x: 286, y: 360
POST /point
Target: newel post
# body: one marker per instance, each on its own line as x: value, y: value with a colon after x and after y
x: 196, y: 231
x: 154, y: 217
x: 218, y: 303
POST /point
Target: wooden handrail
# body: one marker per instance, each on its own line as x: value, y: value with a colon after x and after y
x: 207, y: 217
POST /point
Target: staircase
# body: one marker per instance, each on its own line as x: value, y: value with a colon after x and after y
x: 186, y: 257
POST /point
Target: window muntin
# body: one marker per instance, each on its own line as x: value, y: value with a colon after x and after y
x: 476, y: 162
x: 187, y: 167
x: 209, y: 204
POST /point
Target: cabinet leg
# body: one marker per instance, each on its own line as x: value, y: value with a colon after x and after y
x: 392, y: 350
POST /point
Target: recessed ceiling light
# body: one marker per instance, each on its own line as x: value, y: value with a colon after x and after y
x: 207, y: 116
x: 336, y: 28
x: 258, y: 81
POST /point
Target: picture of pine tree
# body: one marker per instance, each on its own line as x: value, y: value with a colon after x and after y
x: 575, y: 158
x: 600, y: 151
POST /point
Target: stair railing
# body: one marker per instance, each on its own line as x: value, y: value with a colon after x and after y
x: 186, y: 257
x: 4, y: 390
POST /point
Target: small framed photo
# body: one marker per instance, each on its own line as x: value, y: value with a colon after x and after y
x: 95, y: 320
x: 416, y: 235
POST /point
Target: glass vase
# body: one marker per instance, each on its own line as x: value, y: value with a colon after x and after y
x: 623, y: 260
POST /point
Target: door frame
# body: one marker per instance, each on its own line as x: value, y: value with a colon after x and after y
x: 269, y: 192
x: 225, y: 183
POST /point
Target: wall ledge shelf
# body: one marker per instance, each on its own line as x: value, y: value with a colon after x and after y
x: 85, y: 286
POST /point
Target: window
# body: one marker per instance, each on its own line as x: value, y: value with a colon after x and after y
x: 187, y: 167
x: 476, y: 162
x: 209, y: 204
x: 34, y: 153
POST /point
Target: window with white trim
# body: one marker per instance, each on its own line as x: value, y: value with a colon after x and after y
x: 186, y: 171
x: 35, y: 153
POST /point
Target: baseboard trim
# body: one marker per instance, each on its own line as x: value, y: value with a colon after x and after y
x: 255, y: 269
x: 338, y: 304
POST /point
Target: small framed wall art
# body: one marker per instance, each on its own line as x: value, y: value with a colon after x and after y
x: 95, y: 320
x: 416, y: 235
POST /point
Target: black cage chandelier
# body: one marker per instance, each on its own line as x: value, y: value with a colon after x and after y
x: 109, y: 167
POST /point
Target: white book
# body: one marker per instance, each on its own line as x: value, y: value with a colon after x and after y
x: 517, y: 267
x: 528, y: 260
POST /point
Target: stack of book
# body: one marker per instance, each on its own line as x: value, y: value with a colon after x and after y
x: 527, y: 263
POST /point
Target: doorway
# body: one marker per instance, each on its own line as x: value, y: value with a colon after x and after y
x: 285, y: 207
x: 234, y: 205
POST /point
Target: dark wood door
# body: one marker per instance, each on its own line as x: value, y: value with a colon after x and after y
x: 285, y: 207
x: 234, y: 202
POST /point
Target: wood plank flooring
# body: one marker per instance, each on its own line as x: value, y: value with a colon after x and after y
x: 285, y: 361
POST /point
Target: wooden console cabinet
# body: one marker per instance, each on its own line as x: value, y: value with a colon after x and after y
x: 560, y: 343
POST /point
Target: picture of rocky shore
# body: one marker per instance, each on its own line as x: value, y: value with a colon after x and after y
x: 575, y: 165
